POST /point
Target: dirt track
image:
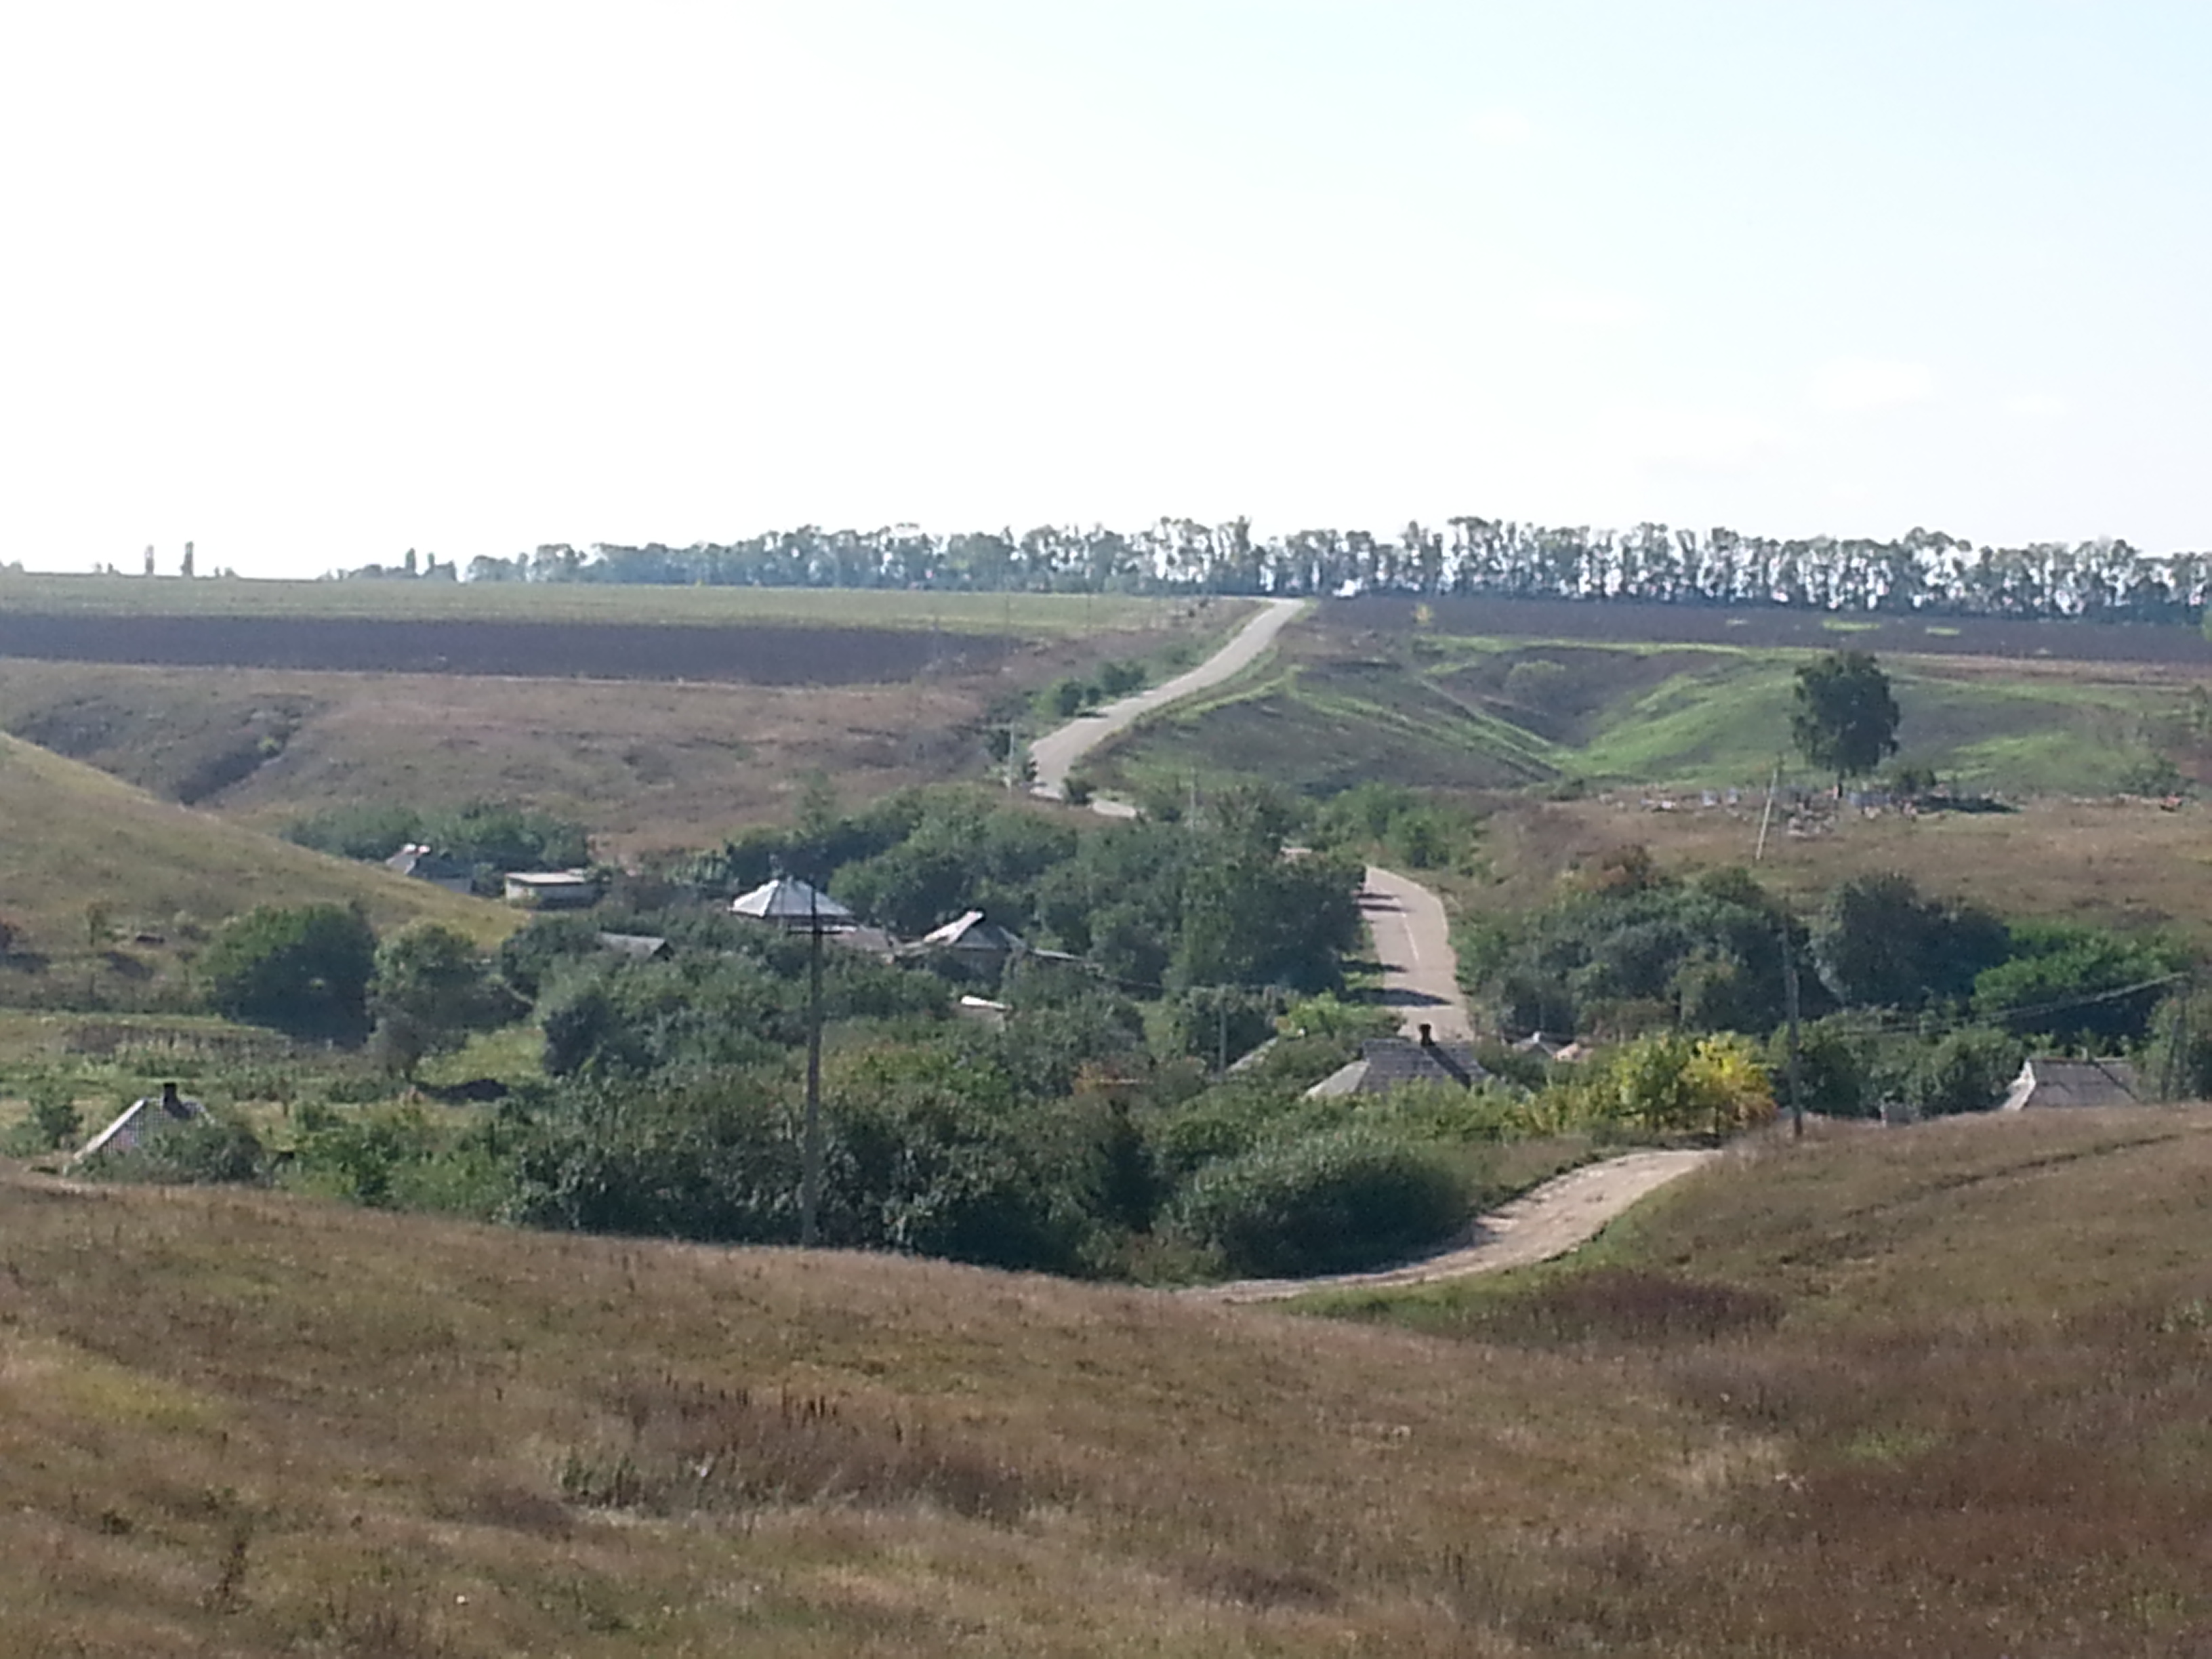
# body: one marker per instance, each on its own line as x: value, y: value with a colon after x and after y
x: 1560, y: 1216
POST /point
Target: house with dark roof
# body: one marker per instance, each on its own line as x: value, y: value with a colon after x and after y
x: 144, y: 1116
x: 2045, y: 1082
x: 439, y: 869
x: 975, y: 943
x: 1387, y: 1063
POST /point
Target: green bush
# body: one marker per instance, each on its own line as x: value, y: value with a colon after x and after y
x: 1339, y: 1200
x: 53, y: 1124
x: 1968, y: 1070
x: 304, y: 970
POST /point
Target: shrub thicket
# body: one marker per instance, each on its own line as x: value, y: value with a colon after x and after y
x: 1337, y: 1200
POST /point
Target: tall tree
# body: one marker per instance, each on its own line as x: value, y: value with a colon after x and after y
x: 1846, y: 720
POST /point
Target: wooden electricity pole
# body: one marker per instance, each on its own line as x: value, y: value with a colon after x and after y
x: 810, y: 1178
x: 1789, y: 998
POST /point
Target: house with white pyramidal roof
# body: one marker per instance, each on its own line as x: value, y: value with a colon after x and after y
x: 790, y: 902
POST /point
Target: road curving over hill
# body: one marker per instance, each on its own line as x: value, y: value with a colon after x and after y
x: 1559, y: 1217
x: 1056, y: 752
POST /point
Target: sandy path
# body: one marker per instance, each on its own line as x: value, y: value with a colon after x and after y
x: 1057, y: 751
x: 1560, y: 1216
x: 1413, y: 941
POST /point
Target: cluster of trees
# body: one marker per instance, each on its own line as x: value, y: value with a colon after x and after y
x: 1921, y: 571
x: 495, y: 836
x: 1065, y: 698
x: 318, y: 971
x: 410, y: 569
x: 1151, y: 904
x: 1905, y: 997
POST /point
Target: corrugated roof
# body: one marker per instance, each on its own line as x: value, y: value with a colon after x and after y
x: 2077, y: 1083
x: 971, y: 932
x: 1387, y: 1063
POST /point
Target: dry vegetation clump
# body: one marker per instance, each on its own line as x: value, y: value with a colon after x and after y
x: 690, y: 1447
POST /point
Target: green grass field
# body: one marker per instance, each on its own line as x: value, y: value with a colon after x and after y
x: 1939, y: 1391
x: 1027, y: 615
x: 1493, y: 715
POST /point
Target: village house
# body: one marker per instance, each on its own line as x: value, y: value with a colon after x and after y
x: 1387, y: 1063
x: 790, y: 902
x: 982, y: 947
x: 439, y: 869
x: 2044, y: 1083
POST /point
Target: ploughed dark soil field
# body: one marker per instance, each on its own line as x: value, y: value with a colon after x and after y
x: 756, y: 655
x: 1628, y: 623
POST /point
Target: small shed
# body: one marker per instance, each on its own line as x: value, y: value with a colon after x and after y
x: 141, y: 1117
x: 790, y: 902
x: 638, y: 947
x: 1387, y: 1063
x: 2044, y: 1083
x: 552, y: 889
x: 439, y: 869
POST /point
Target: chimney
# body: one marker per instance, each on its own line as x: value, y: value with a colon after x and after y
x: 1428, y: 1038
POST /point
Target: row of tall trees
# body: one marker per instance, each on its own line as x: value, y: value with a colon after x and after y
x: 1921, y: 571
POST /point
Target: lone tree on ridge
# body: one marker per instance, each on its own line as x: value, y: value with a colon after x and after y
x: 1846, y: 720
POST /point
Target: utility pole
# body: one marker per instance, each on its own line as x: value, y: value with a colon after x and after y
x: 1767, y: 817
x: 2172, y: 1085
x: 810, y: 1179
x: 1789, y: 997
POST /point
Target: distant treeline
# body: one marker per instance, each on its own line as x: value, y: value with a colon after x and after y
x: 1923, y: 571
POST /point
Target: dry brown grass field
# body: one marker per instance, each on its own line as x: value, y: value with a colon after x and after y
x: 2118, y: 862
x: 646, y: 765
x: 1974, y: 1358
x: 1940, y: 1391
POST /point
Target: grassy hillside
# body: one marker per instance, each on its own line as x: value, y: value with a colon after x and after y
x: 644, y: 763
x: 78, y: 847
x: 1964, y: 1372
x: 1960, y: 1370
x: 1343, y: 704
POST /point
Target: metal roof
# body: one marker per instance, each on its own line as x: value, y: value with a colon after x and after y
x: 787, y: 898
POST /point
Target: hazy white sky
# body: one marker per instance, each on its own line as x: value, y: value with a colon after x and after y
x: 312, y: 284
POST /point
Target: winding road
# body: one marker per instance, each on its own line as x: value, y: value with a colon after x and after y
x: 1420, y: 979
x: 1056, y: 753
x: 1557, y: 1218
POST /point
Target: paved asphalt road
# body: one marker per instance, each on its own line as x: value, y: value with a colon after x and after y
x: 1057, y: 752
x: 1413, y: 941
